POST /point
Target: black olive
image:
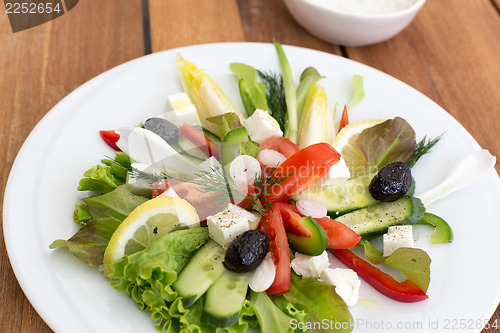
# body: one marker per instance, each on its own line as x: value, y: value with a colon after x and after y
x: 247, y: 251
x: 391, y: 182
x: 164, y: 128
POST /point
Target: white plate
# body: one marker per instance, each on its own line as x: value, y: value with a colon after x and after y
x: 72, y: 297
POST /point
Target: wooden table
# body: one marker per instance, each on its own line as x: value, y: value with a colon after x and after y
x: 450, y: 53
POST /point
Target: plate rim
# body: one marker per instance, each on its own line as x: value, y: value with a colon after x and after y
x: 60, y: 108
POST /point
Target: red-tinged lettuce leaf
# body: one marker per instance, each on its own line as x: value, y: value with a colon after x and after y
x: 413, y: 263
x: 118, y: 203
x: 90, y: 242
x: 320, y: 302
x: 390, y: 141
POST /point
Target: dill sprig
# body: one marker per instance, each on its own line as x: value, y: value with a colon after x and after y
x: 265, y: 183
x: 423, y: 147
x: 224, y: 188
x: 276, y: 100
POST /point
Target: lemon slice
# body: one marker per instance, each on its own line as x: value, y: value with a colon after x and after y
x: 146, y: 223
x: 344, y: 143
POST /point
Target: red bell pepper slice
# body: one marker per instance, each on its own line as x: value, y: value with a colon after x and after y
x: 291, y: 219
x: 344, y: 121
x: 339, y: 235
x: 201, y: 141
x: 272, y: 224
x: 111, y: 138
x: 306, y: 167
x: 406, y: 291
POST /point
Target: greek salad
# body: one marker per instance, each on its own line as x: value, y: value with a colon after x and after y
x: 215, y: 219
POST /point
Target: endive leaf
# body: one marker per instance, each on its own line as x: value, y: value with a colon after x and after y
x: 205, y: 94
x: 316, y: 121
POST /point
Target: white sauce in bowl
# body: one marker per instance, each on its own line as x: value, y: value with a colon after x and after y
x: 370, y: 7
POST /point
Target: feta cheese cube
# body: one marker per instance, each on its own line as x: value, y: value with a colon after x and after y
x: 182, y: 110
x: 337, y: 174
x: 252, y: 218
x: 210, y: 163
x: 397, y: 237
x: 346, y: 283
x: 310, y: 266
x: 226, y: 225
x: 261, y: 126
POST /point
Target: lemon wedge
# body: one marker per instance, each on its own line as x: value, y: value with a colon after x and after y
x: 344, y: 143
x: 146, y: 223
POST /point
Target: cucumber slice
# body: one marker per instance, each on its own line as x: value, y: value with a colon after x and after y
x: 341, y: 198
x: 312, y: 246
x: 376, y: 219
x: 225, y: 298
x: 200, y: 273
x: 442, y: 233
x: 190, y: 148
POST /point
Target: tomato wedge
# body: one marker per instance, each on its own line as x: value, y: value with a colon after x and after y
x: 339, y: 235
x: 201, y: 141
x: 111, y: 138
x: 291, y: 219
x: 272, y: 224
x: 280, y: 144
x: 306, y: 167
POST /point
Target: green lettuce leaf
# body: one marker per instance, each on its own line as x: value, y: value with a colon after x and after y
x: 98, y: 179
x: 358, y: 92
x: 320, y: 302
x: 413, y: 263
x: 271, y: 318
x: 118, y: 203
x: 116, y: 166
x: 391, y: 141
x: 90, y: 242
x: 81, y: 214
x: 147, y: 276
x: 253, y: 93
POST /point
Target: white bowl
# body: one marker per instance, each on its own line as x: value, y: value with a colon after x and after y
x: 350, y: 29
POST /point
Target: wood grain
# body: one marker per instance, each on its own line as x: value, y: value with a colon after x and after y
x: 38, y: 67
x: 453, y: 59
x: 450, y: 61
x: 189, y: 22
x: 268, y: 20
x: 450, y: 53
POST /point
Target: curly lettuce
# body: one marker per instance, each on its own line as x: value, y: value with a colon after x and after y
x: 147, y: 276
